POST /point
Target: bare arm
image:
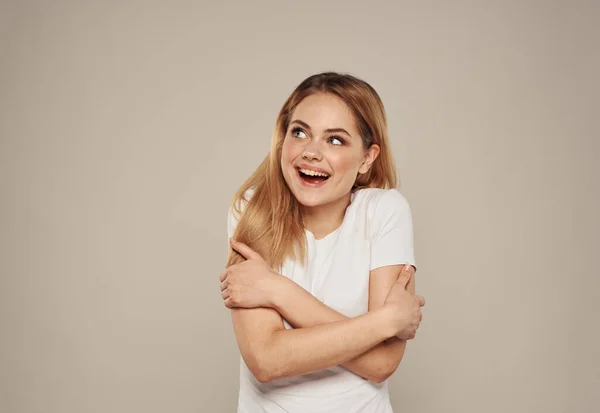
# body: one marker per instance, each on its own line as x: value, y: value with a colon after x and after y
x: 301, y: 309
x: 271, y: 351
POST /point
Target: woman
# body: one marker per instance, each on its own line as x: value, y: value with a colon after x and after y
x: 320, y: 276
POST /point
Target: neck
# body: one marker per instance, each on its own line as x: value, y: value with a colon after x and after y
x: 324, y: 219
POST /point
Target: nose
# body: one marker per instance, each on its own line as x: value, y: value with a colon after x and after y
x: 312, y: 152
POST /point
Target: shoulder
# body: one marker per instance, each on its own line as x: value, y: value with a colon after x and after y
x: 239, y: 205
x: 236, y: 210
x: 390, y: 228
x: 383, y: 210
x: 381, y: 202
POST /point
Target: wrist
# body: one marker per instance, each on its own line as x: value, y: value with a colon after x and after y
x: 278, y: 291
x: 386, y: 323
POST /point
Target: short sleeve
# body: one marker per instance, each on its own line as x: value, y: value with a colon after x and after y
x: 233, y: 216
x: 232, y: 221
x: 392, y: 240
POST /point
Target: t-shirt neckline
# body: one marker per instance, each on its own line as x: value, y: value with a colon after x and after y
x: 335, y: 231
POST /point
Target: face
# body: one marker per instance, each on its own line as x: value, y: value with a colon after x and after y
x: 323, y: 151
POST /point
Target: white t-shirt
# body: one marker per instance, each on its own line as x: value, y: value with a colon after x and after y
x: 377, y: 231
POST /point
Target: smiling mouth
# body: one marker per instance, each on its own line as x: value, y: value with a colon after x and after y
x: 312, y: 177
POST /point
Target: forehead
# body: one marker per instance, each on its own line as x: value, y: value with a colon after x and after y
x: 325, y: 111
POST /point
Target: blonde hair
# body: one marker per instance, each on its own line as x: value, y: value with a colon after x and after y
x: 270, y: 221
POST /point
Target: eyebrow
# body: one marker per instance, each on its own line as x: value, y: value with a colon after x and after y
x: 331, y: 130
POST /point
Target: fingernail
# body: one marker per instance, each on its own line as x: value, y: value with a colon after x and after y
x: 407, y: 267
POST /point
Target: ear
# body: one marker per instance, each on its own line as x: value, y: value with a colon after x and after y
x: 370, y: 155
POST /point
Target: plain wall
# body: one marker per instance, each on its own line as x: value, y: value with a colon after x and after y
x: 126, y: 127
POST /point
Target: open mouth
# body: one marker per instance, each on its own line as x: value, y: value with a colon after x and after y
x: 311, y: 177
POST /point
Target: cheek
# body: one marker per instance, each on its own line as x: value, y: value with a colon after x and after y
x: 345, y: 164
x: 289, y: 151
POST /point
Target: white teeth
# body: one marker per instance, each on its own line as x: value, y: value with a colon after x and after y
x: 313, y: 173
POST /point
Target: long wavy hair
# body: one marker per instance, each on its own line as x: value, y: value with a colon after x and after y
x: 270, y: 221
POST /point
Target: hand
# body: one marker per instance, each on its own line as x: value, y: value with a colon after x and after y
x: 405, y: 306
x: 249, y: 284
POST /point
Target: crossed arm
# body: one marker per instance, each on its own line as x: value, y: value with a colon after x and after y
x: 301, y: 309
x: 365, y: 345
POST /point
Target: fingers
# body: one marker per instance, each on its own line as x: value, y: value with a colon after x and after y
x: 227, y: 298
x: 224, y: 280
x: 408, y: 268
x: 245, y: 250
x: 225, y: 294
x: 405, y: 275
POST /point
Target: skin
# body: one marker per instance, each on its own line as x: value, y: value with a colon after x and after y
x: 254, y: 285
x: 341, y: 154
x: 370, y: 345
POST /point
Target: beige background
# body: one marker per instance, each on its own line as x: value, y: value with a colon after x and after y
x: 127, y: 126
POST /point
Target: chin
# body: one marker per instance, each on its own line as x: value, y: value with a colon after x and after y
x: 306, y: 198
x: 310, y: 201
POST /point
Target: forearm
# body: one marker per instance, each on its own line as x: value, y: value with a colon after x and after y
x: 293, y: 352
x: 302, y: 309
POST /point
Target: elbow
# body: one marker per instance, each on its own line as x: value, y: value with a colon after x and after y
x: 263, y: 369
x: 263, y: 375
x: 381, y: 377
x: 388, y: 363
x: 384, y: 372
x: 262, y: 361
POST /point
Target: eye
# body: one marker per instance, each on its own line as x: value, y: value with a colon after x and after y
x: 336, y: 140
x: 298, y: 133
